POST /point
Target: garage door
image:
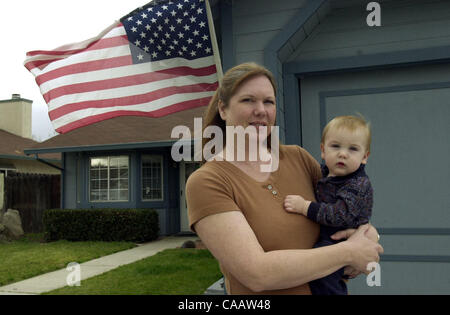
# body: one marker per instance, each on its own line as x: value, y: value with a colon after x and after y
x: 409, y: 110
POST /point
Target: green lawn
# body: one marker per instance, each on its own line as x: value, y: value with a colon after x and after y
x: 29, y: 257
x: 172, y: 271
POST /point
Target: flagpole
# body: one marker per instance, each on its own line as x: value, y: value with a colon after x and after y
x: 214, y: 41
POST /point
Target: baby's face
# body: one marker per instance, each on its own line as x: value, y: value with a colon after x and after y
x: 344, y: 151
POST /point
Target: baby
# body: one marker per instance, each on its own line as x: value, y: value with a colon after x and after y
x: 344, y: 194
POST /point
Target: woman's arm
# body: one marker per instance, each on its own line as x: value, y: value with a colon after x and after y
x: 232, y: 241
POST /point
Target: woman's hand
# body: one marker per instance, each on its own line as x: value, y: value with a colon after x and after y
x: 345, y: 234
x: 364, y: 247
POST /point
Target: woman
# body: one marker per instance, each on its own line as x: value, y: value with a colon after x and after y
x: 237, y: 209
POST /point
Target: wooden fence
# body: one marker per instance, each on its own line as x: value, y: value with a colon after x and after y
x: 31, y: 194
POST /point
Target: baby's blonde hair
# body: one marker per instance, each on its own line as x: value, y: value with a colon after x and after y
x: 350, y: 123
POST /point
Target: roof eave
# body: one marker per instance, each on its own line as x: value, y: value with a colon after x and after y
x: 108, y: 147
x: 21, y: 157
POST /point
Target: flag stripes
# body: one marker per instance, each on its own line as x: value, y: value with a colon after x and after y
x: 88, y: 82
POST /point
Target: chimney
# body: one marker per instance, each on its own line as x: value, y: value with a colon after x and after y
x: 15, y: 116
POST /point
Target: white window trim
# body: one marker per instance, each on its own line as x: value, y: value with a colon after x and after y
x: 89, y: 179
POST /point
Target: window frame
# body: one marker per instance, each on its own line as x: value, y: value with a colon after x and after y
x: 109, y: 157
x: 141, y: 188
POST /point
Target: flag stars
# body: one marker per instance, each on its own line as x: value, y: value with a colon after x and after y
x: 170, y: 30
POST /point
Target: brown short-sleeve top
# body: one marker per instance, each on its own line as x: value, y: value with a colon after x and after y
x: 219, y: 186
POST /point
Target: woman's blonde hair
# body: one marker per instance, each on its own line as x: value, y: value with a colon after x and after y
x: 230, y: 82
x: 350, y: 123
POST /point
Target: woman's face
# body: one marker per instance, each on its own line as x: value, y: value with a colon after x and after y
x: 253, y: 104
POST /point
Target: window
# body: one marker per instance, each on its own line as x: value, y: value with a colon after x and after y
x: 109, y: 178
x: 152, y: 188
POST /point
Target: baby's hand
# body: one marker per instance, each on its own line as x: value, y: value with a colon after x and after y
x: 296, y: 204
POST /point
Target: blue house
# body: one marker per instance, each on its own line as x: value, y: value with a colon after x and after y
x: 125, y: 162
x: 390, y: 62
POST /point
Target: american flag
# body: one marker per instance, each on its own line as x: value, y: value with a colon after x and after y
x: 156, y: 61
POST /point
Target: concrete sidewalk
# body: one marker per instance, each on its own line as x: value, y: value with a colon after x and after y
x: 58, y: 279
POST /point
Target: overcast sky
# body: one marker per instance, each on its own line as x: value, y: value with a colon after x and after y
x: 27, y: 25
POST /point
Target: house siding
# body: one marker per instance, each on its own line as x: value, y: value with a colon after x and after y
x: 69, y: 200
x: 255, y: 24
x: 405, y: 25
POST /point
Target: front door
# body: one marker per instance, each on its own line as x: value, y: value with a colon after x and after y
x: 186, y: 169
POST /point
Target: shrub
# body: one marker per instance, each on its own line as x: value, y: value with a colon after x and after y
x: 110, y: 225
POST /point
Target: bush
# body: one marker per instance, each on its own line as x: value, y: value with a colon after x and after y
x: 109, y: 225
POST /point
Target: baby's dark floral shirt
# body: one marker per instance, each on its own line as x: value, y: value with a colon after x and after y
x: 342, y: 201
